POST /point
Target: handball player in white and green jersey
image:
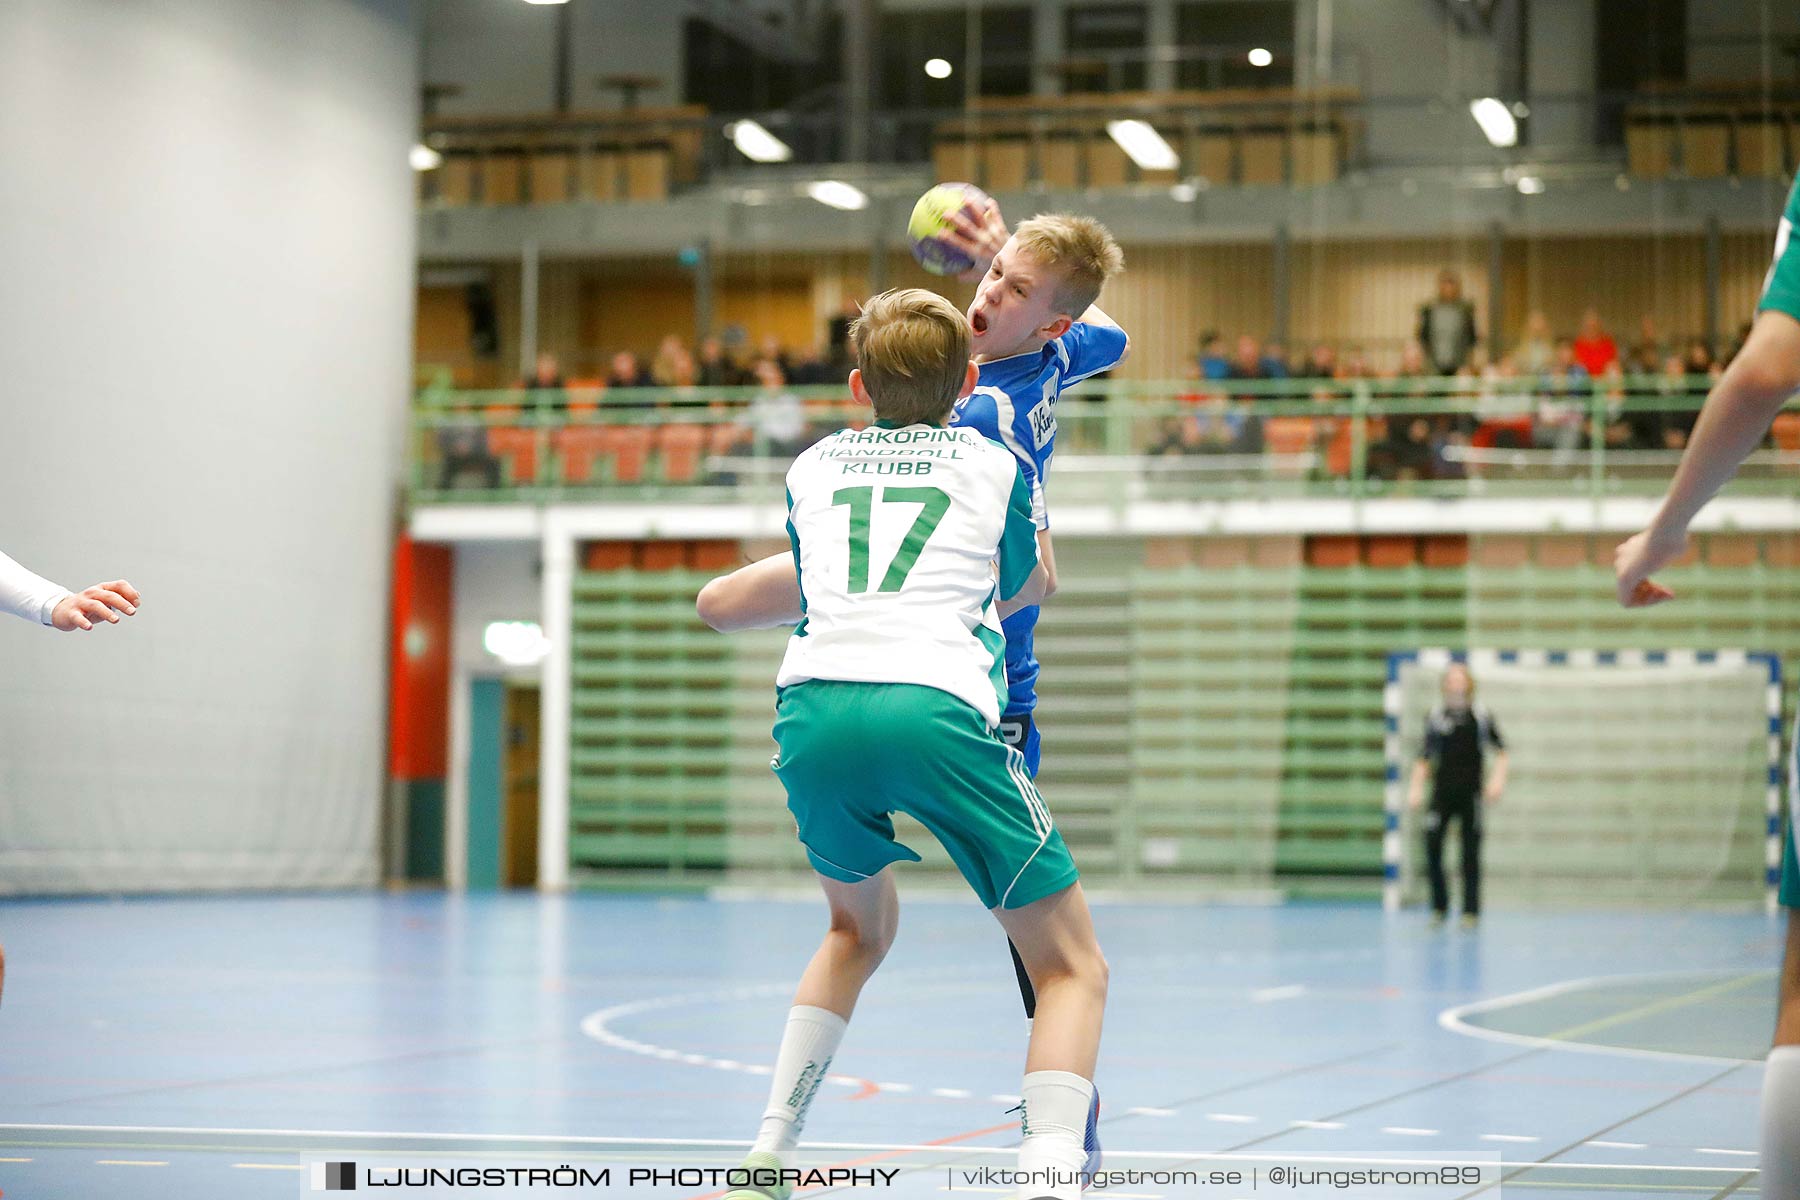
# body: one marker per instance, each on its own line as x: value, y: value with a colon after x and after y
x: 1734, y: 421
x: 911, y: 541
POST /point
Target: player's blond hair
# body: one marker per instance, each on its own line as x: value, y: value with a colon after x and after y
x: 1080, y: 250
x: 912, y: 347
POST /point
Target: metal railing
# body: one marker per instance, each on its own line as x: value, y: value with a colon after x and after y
x: 1117, y: 441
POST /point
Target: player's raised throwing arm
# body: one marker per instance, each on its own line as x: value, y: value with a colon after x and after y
x: 1734, y: 421
x: 31, y: 596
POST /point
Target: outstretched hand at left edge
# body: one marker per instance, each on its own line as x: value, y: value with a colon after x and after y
x: 107, y: 602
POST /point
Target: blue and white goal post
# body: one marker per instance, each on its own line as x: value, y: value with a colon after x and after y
x: 1696, y: 733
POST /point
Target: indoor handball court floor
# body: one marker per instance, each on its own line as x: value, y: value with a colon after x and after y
x: 215, y: 1047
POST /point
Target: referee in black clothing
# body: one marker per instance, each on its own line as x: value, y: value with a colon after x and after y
x: 1458, y: 735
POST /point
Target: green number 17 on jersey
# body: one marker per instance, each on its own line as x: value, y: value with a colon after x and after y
x: 861, y: 502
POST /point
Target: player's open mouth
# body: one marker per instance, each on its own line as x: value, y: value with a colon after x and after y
x: 978, y: 322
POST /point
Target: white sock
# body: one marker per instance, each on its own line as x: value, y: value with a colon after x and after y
x: 807, y: 1048
x: 1781, y: 1124
x: 1054, y: 1124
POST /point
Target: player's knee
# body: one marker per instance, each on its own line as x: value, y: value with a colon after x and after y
x: 1085, y: 968
x: 1099, y: 972
x: 1764, y: 378
x: 866, y: 939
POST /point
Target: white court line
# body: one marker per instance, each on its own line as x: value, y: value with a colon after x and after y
x: 15, y: 1160
x: 1150, y: 1112
x: 1317, y: 1124
x: 1619, y: 1145
x: 1278, y: 993
x: 1509, y: 1137
x: 1231, y: 1118
x: 951, y: 1093
x: 1739, y: 1153
x: 1408, y: 1131
x: 1452, y: 1019
x: 863, y: 1147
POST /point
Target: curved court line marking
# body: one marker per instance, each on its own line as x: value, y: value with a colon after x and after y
x: 1452, y: 1018
x: 594, y: 1025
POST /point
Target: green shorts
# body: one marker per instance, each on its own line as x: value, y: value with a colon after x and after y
x: 852, y: 754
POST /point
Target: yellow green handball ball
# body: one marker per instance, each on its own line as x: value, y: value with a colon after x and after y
x: 931, y: 221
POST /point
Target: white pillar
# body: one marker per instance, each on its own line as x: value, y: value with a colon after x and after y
x: 556, y: 607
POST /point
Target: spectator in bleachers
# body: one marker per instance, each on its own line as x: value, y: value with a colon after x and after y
x: 1213, y: 363
x: 1674, y: 424
x: 776, y: 418
x: 810, y: 369
x: 1536, y: 349
x: 545, y: 381
x: 682, y: 375
x: 1562, y: 407
x: 1246, y: 360
x: 1234, y: 427
x: 1403, y: 451
x: 715, y: 368
x: 838, y: 348
x: 668, y: 361
x: 771, y: 350
x: 1321, y: 362
x: 1595, y: 349
x: 1177, y: 436
x: 1355, y: 364
x: 1648, y: 352
x: 1413, y: 364
x: 1698, y: 359
x: 1619, y: 432
x: 1274, y: 361
x: 626, y: 373
x: 1447, y: 326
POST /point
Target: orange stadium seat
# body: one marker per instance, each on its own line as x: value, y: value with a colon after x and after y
x: 578, y: 450
x: 584, y: 396
x: 681, y: 448
x: 518, y: 448
x: 1288, y: 435
x: 1787, y: 431
x: 628, y: 449
x: 1488, y: 432
x: 1341, y: 449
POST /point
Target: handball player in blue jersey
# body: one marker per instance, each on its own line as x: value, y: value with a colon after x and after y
x: 1036, y: 332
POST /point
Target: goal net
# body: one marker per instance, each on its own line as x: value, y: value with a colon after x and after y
x: 1634, y: 776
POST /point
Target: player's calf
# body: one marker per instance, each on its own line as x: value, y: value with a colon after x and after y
x: 1055, y: 939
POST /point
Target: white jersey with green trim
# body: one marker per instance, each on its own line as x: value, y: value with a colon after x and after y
x: 904, y: 539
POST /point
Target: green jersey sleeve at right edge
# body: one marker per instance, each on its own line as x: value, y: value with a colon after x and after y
x: 1781, y: 290
x: 1018, y: 541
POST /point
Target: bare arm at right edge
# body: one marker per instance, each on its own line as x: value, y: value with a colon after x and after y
x: 1733, y: 422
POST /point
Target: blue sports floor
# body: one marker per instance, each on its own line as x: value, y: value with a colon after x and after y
x: 216, y: 1047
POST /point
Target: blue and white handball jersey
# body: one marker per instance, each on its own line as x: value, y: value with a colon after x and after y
x: 1014, y: 403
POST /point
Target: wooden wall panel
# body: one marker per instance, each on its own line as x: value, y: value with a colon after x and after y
x: 1367, y: 292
